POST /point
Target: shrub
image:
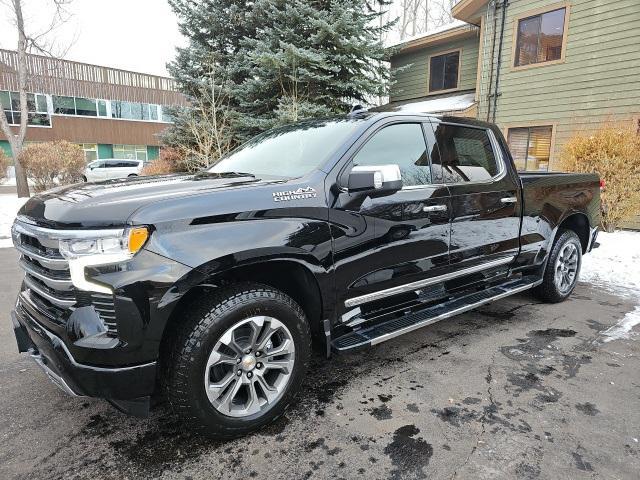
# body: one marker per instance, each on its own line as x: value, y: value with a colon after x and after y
x: 612, y: 151
x: 171, y: 160
x: 5, y: 161
x: 50, y: 164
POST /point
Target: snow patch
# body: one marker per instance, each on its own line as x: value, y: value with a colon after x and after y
x: 437, y: 105
x: 615, y: 265
x: 9, y: 206
x: 449, y: 26
x: 624, y: 328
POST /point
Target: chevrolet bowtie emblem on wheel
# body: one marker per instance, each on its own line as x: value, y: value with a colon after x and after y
x: 299, y: 194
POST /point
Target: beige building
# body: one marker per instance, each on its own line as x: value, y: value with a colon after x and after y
x: 542, y: 70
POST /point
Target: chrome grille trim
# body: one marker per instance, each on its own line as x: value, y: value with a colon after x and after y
x: 52, y: 282
x: 55, y: 263
x: 46, y: 295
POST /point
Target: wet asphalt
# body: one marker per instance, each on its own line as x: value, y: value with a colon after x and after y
x: 517, y: 389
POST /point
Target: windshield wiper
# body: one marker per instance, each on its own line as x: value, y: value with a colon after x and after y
x: 224, y: 174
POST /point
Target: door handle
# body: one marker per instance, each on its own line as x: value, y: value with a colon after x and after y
x: 435, y: 208
x: 509, y: 200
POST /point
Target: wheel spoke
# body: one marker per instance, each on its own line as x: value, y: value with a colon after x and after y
x: 253, y: 402
x: 283, y: 365
x: 270, y: 392
x: 256, y: 324
x: 218, y: 358
x: 229, y: 340
x: 227, y: 400
x: 214, y: 390
x: 285, y: 348
x: 266, y: 336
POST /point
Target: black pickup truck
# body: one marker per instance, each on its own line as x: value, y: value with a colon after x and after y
x: 210, y: 287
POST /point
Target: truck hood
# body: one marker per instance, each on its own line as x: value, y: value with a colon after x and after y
x: 112, y: 202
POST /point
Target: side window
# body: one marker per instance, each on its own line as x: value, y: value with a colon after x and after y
x: 466, y: 154
x: 401, y: 144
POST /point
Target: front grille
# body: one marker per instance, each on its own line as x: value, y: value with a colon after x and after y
x: 48, y: 280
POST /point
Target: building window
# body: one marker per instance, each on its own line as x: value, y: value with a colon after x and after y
x: 130, y: 152
x: 90, y: 151
x: 84, y: 107
x: 134, y: 111
x: 541, y: 38
x: 36, y: 106
x: 531, y: 147
x: 443, y: 71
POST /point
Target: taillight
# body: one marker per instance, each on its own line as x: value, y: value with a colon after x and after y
x: 602, y: 184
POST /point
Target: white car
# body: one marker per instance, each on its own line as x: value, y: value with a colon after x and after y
x: 108, y: 169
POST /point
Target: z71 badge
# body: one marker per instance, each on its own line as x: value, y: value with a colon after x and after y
x: 299, y: 194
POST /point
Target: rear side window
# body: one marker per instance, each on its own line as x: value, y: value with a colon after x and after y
x: 466, y: 154
x: 401, y: 144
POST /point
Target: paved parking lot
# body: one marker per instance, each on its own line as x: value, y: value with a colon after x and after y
x: 515, y: 390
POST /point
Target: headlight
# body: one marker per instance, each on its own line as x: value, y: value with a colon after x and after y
x: 107, y: 247
x: 108, y: 242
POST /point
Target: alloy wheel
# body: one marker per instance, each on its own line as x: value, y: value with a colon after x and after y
x: 250, y: 366
x: 566, y: 267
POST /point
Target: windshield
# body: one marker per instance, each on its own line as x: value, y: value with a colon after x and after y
x: 289, y: 151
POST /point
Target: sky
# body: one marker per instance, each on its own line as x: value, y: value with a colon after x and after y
x: 138, y: 35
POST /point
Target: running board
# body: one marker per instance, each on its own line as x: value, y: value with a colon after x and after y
x: 369, y: 336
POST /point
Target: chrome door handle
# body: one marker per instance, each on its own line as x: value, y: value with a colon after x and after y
x: 509, y: 200
x: 435, y: 208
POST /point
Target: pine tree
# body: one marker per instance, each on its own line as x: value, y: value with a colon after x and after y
x: 283, y: 60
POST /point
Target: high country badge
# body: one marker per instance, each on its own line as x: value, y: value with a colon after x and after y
x: 299, y: 194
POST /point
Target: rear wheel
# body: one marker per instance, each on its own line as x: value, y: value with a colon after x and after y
x: 84, y: 179
x: 238, y: 360
x: 132, y: 175
x: 563, y: 268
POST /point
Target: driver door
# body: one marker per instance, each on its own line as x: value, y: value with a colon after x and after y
x: 390, y: 244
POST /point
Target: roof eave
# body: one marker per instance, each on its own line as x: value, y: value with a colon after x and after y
x: 467, y: 10
x: 452, y: 34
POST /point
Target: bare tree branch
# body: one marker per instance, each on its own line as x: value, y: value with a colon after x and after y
x: 40, y: 42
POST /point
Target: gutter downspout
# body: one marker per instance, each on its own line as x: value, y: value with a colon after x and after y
x: 493, y: 54
x: 503, y: 6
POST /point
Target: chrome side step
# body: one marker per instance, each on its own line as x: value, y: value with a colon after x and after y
x: 368, y: 336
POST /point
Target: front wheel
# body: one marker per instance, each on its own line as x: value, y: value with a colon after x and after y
x: 238, y: 361
x: 563, y: 268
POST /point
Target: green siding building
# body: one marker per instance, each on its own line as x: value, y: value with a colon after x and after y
x: 544, y: 69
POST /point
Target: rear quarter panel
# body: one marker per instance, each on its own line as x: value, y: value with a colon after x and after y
x: 548, y: 200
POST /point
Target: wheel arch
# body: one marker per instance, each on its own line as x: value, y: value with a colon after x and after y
x: 577, y: 222
x: 293, y: 276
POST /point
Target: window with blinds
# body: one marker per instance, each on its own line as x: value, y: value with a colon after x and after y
x: 531, y: 147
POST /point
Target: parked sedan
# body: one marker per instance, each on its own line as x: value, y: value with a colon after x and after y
x: 112, y: 168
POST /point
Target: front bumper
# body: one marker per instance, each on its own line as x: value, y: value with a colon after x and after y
x: 128, y: 388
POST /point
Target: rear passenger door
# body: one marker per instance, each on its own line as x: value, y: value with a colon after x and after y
x: 485, y: 203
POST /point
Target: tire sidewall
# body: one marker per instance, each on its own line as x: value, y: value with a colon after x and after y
x: 266, y: 303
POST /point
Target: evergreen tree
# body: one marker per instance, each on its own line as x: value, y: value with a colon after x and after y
x: 283, y: 61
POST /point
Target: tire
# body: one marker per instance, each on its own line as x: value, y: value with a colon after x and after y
x: 204, y: 337
x: 84, y: 179
x: 563, y: 268
x: 132, y: 175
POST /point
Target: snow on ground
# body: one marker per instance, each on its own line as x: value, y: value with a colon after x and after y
x: 9, y: 206
x: 615, y: 267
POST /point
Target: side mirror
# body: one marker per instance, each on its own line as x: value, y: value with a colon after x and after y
x: 379, y: 180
